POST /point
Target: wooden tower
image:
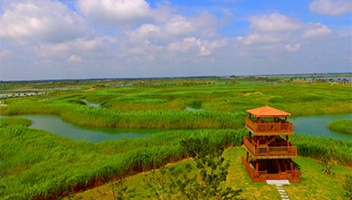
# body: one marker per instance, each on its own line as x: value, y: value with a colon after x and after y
x: 268, y: 146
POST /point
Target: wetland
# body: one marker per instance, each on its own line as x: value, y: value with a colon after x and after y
x: 135, y: 126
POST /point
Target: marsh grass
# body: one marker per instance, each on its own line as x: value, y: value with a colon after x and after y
x: 321, y: 148
x: 38, y: 164
x: 343, y: 126
x: 164, y: 107
x: 14, y: 121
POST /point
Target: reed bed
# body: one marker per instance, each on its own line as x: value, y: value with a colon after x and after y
x: 39, y: 165
x: 343, y: 126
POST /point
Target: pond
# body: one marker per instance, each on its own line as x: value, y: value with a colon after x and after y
x: 95, y: 105
x: 194, y: 109
x: 317, y: 125
x: 56, y: 125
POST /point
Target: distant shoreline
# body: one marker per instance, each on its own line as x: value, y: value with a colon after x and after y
x: 307, y: 75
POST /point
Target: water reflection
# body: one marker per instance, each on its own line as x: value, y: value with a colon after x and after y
x: 56, y: 125
x: 317, y: 125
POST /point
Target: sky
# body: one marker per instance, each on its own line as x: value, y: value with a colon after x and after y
x: 82, y: 39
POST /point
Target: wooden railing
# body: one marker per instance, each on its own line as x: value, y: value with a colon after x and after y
x: 269, y: 150
x: 269, y: 126
x: 262, y: 176
x: 249, y: 168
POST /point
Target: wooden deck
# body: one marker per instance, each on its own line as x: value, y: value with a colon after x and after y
x: 262, y: 176
x: 270, y: 152
x: 269, y: 128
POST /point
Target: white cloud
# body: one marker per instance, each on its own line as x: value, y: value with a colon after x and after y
x: 203, y: 24
x: 115, y: 11
x: 274, y: 22
x: 144, y: 31
x: 272, y: 28
x: 198, y: 46
x: 135, y: 39
x: 292, y: 48
x: 263, y: 38
x: 40, y: 20
x: 61, y: 47
x: 75, y: 58
x: 179, y: 25
x: 315, y: 31
x: 185, y: 45
x: 89, y: 44
x: 331, y: 7
x: 276, y: 28
x: 4, y: 54
x: 78, y: 46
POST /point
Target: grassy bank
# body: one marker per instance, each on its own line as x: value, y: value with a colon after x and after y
x: 314, y: 185
x: 343, y: 126
x: 37, y: 164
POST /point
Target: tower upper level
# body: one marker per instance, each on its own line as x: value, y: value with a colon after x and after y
x: 268, y: 121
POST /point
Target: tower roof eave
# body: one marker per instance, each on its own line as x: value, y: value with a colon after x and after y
x: 267, y: 111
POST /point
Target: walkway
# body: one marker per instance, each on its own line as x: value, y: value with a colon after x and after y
x: 279, y: 187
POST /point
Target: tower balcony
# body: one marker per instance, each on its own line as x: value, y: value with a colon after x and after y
x: 269, y: 128
x: 270, y: 152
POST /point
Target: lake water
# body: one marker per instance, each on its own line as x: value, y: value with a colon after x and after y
x: 317, y: 125
x: 95, y: 105
x: 56, y: 125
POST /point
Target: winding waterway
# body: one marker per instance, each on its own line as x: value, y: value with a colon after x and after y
x: 56, y: 125
x: 315, y: 125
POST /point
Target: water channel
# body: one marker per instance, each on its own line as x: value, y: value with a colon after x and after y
x: 56, y: 125
x: 315, y: 125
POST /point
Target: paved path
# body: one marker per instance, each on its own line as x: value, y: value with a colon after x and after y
x: 279, y: 187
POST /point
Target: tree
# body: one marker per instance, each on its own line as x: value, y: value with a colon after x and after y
x: 206, y: 183
x: 203, y: 178
x: 327, y: 165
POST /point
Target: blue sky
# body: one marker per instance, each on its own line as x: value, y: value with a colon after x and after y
x: 52, y: 39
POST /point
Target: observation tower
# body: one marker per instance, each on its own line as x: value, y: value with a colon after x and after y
x: 269, y: 151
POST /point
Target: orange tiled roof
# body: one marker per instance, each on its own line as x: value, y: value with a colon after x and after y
x: 267, y: 111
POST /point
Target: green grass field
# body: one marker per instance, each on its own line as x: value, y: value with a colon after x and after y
x: 162, y: 104
x: 36, y: 164
x: 314, y: 185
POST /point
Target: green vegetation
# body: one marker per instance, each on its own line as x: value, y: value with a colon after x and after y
x: 343, y: 126
x: 348, y: 186
x: 39, y: 165
x: 162, y: 104
x: 314, y: 185
x: 323, y: 148
x: 14, y: 121
x: 208, y: 183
